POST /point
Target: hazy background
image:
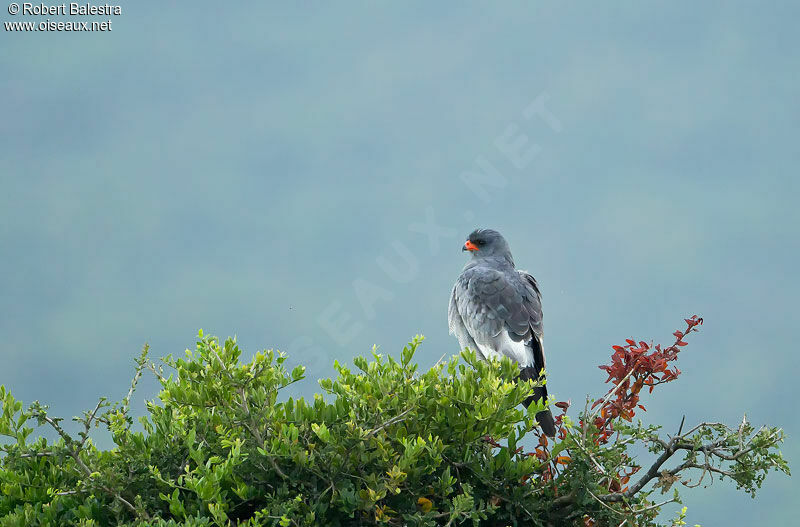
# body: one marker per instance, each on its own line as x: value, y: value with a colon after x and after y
x: 239, y: 168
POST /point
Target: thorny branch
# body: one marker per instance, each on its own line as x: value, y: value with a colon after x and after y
x: 719, y: 450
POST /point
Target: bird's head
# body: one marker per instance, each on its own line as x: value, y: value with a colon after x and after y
x: 483, y: 243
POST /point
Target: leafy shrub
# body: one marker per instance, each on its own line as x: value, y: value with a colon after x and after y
x: 385, y: 445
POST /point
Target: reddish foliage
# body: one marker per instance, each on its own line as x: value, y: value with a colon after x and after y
x: 634, y: 366
x: 492, y: 442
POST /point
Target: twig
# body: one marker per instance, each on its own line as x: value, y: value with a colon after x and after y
x: 610, y: 394
x: 88, y: 424
x: 37, y: 454
x: 582, y: 448
x: 396, y: 419
x: 140, y: 364
x: 66, y: 493
x: 651, y: 507
x: 438, y: 361
x: 602, y: 503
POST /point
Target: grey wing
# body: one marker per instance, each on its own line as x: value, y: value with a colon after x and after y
x: 501, y: 311
x: 533, y: 301
x: 456, y: 322
x: 537, y: 329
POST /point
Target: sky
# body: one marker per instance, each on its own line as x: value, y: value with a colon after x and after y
x: 303, y: 176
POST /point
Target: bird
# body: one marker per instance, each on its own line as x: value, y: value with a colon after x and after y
x: 496, y: 310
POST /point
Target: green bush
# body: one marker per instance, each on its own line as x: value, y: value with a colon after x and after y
x: 385, y: 445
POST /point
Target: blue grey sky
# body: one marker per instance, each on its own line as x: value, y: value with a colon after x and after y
x: 295, y: 175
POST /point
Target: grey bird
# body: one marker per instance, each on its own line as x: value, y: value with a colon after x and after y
x: 496, y: 309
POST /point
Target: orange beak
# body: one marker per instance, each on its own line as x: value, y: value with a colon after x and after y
x: 469, y: 246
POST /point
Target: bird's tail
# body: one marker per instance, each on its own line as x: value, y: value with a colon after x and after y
x: 545, y: 417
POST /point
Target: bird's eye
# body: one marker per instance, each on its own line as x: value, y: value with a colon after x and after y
x: 480, y: 242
